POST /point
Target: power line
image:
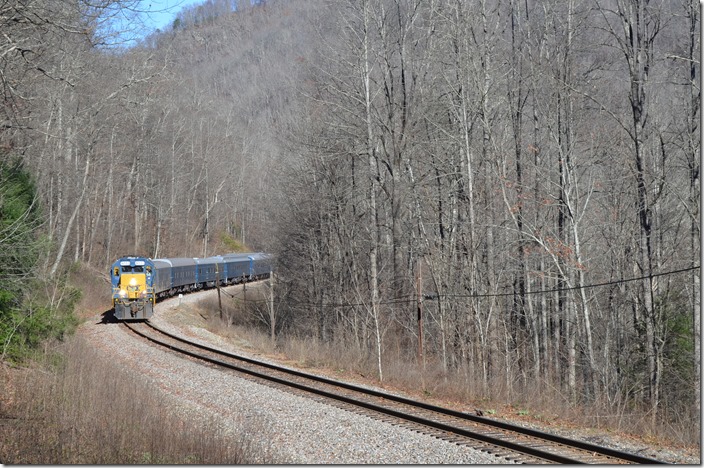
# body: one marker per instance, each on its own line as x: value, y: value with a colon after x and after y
x: 411, y: 298
x: 573, y: 288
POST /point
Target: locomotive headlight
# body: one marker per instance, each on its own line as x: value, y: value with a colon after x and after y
x: 133, y: 282
x: 123, y: 293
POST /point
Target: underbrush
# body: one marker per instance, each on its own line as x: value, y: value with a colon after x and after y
x: 77, y: 409
x: 540, y: 402
x: 95, y: 287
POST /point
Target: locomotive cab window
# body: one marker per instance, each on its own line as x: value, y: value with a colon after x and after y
x: 138, y: 269
x: 126, y: 269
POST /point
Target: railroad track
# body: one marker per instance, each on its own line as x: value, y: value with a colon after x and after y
x: 505, y: 440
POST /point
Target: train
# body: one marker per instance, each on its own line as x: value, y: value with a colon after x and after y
x: 139, y: 282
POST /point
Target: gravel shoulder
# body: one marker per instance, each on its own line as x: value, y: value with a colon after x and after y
x: 288, y: 428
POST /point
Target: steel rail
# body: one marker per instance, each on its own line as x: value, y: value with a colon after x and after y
x: 604, y: 451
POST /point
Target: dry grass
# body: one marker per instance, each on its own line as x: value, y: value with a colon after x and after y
x: 83, y: 411
x: 95, y: 290
x: 540, y: 403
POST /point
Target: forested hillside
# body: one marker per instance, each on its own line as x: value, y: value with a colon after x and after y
x: 509, y: 188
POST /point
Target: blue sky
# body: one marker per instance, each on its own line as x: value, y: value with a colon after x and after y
x: 146, y: 16
x: 160, y: 14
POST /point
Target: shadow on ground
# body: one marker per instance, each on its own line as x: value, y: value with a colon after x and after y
x: 108, y: 317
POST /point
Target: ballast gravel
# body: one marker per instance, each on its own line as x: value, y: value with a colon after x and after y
x: 285, y: 428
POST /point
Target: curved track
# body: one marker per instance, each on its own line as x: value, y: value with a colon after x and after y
x: 502, y: 439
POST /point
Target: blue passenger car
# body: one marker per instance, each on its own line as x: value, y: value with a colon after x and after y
x: 237, y: 267
x: 207, y: 271
x: 261, y: 265
x: 183, y: 273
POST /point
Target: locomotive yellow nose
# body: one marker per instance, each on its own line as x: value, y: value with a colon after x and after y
x: 134, y: 284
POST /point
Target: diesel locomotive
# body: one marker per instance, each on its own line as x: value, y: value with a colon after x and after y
x: 138, y: 282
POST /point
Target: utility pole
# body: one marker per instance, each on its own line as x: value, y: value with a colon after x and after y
x: 217, y: 284
x: 244, y: 293
x: 419, y: 294
x: 272, y: 317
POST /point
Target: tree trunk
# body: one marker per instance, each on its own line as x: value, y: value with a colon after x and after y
x: 69, y: 224
x: 373, y: 216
